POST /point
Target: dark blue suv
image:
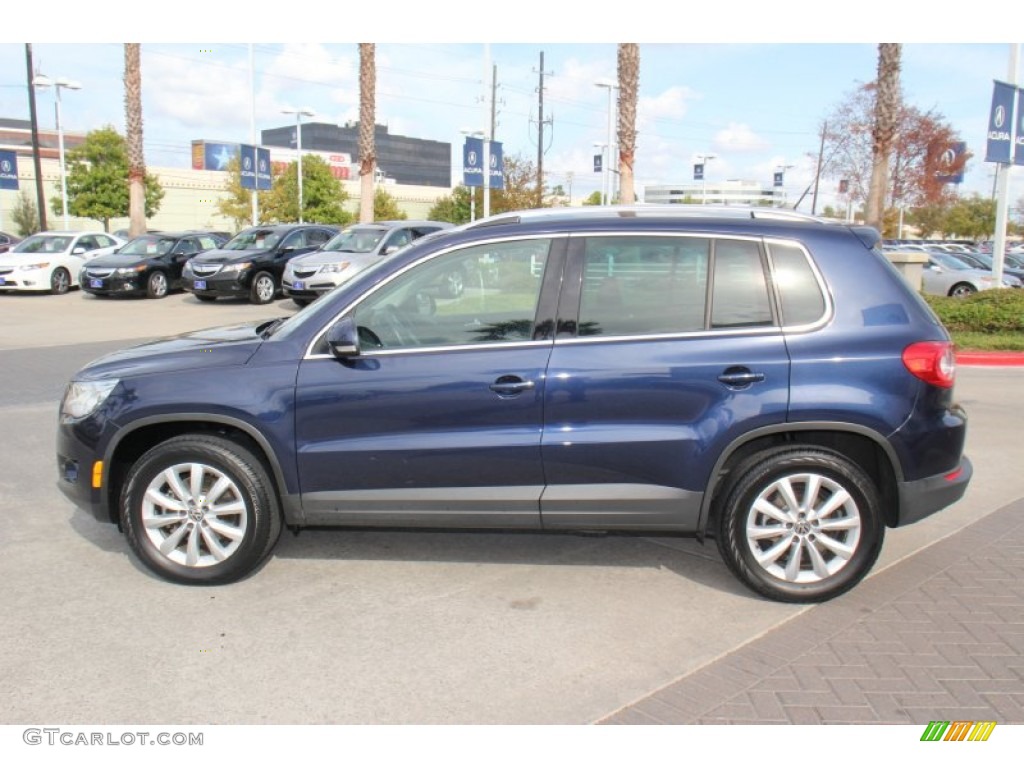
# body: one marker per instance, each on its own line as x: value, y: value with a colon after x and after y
x: 760, y: 378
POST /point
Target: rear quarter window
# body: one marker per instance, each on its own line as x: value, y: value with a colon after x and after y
x: 800, y: 293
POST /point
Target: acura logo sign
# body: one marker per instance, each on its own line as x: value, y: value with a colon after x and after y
x: 999, y: 118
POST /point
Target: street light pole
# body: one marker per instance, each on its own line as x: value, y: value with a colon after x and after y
x: 704, y: 178
x: 610, y: 184
x: 299, y: 112
x: 42, y: 81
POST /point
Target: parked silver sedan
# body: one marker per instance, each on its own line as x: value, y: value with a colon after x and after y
x: 946, y: 275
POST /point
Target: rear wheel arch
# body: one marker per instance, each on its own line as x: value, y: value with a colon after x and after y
x: 862, y: 446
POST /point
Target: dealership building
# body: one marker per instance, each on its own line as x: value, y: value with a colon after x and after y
x: 412, y: 169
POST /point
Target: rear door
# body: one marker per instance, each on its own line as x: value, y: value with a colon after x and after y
x: 668, y: 348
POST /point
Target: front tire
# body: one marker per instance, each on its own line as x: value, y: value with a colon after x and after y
x: 199, y: 509
x: 800, y: 524
x: 157, y: 286
x: 60, y: 281
x: 264, y: 288
x: 961, y: 290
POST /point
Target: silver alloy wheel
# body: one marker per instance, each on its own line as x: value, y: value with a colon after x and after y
x: 803, y: 528
x: 962, y: 289
x: 60, y: 281
x: 158, y: 285
x: 194, y: 514
x: 264, y: 288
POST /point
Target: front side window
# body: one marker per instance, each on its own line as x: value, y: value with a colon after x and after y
x: 484, y: 294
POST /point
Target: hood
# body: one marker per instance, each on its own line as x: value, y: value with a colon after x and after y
x: 213, y: 347
x: 220, y: 256
x: 120, y: 260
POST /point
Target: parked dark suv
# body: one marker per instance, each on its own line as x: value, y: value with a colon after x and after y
x: 251, y: 263
x: 766, y: 380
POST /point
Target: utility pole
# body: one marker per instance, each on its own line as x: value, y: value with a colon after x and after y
x: 540, y: 134
x: 40, y: 196
x: 817, y: 172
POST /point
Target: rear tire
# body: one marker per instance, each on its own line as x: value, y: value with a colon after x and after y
x: 960, y: 290
x: 800, y: 524
x: 199, y: 509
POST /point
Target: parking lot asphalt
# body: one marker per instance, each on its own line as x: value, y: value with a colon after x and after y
x: 936, y: 632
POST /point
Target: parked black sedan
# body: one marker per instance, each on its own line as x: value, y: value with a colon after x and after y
x: 150, y: 265
x: 250, y: 265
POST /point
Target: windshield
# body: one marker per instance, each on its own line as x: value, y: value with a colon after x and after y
x: 252, y: 240
x: 948, y: 260
x: 42, y: 244
x: 148, y: 246
x: 355, y: 240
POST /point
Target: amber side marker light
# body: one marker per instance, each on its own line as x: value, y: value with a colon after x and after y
x: 97, y: 474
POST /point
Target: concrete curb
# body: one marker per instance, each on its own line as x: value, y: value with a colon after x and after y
x: 990, y: 358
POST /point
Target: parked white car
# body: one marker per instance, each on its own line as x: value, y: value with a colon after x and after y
x: 51, y: 261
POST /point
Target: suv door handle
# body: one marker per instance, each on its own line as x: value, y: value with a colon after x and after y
x: 739, y: 377
x: 509, y: 386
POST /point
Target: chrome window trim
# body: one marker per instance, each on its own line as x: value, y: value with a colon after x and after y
x: 823, y: 288
x: 310, y: 355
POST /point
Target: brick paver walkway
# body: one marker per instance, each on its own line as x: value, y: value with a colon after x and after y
x: 938, y: 636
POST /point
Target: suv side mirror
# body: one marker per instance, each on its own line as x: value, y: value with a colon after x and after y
x: 343, y: 338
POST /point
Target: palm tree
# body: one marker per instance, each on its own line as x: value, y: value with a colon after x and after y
x: 133, y: 126
x: 887, y: 109
x: 629, y: 85
x: 367, y: 123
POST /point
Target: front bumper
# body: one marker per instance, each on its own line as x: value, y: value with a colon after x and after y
x: 75, y: 464
x: 26, y: 280
x: 235, y: 284
x: 114, y: 286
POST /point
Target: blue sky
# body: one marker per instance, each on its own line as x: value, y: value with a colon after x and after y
x: 748, y: 84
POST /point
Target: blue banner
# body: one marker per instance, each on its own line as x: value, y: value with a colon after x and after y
x: 264, y: 180
x: 698, y: 171
x: 473, y: 162
x: 1000, y: 122
x: 8, y: 170
x: 247, y: 165
x: 949, y: 158
x: 778, y: 178
x: 217, y: 155
x: 598, y: 163
x: 1018, y: 151
x: 497, y: 166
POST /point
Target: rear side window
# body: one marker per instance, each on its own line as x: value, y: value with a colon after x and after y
x: 740, y: 295
x: 800, y: 293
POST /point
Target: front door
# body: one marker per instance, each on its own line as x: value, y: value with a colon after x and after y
x: 438, y: 420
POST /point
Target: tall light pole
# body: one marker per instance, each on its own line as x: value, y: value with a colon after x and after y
x: 704, y: 177
x: 611, y: 138
x: 42, y: 81
x: 299, y: 112
x: 472, y: 193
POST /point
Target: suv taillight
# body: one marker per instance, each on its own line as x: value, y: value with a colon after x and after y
x: 932, y: 362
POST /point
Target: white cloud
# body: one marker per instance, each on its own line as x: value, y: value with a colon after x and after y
x: 739, y: 137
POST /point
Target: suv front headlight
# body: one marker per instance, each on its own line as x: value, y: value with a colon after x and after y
x: 82, y: 398
x: 339, y: 266
x: 239, y: 267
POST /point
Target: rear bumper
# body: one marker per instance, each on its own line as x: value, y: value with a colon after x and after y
x: 921, y: 498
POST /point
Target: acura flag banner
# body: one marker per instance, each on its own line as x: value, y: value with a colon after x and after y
x: 1018, y: 152
x: 698, y: 171
x: 473, y: 163
x: 1000, y: 124
x: 8, y: 170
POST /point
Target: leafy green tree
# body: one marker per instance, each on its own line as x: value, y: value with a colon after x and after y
x: 973, y: 217
x: 930, y: 218
x: 237, y: 206
x: 594, y: 198
x: 385, y: 207
x: 25, y: 216
x: 98, y: 180
x: 520, y: 187
x: 323, y: 196
x: 454, y: 207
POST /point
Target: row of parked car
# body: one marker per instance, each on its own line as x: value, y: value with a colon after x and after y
x: 958, y: 270
x: 302, y: 261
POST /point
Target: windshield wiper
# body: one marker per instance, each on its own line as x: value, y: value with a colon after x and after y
x: 267, y: 330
